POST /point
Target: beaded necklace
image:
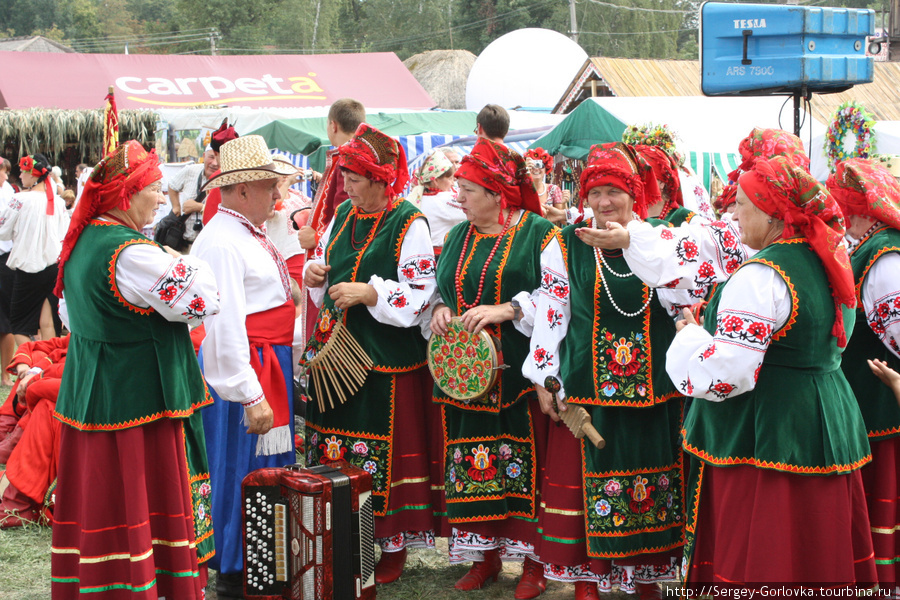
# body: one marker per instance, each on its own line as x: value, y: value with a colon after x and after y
x: 852, y: 245
x: 601, y: 262
x: 369, y: 236
x: 459, y: 288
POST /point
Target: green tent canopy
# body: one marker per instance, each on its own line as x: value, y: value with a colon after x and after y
x: 309, y: 136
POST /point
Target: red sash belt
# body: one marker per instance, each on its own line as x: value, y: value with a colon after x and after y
x: 273, y: 327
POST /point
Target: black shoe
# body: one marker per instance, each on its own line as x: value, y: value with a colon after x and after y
x: 230, y: 586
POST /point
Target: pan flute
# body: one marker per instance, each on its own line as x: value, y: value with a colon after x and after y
x: 309, y: 533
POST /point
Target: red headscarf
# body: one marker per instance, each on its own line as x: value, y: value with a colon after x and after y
x: 665, y: 173
x: 541, y: 155
x: 768, y: 143
x: 726, y: 198
x: 618, y: 165
x: 864, y: 187
x: 113, y: 182
x: 788, y: 192
x: 376, y: 156
x: 38, y: 166
x: 501, y: 170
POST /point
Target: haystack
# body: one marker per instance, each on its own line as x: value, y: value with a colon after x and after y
x: 443, y: 74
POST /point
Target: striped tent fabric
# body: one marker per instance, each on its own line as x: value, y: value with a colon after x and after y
x: 703, y: 163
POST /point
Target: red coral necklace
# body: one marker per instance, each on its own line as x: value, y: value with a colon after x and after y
x: 461, y: 302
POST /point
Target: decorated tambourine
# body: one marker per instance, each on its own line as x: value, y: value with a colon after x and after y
x: 464, y: 365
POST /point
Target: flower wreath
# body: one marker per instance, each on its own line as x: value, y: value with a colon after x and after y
x: 851, y: 117
x: 651, y: 134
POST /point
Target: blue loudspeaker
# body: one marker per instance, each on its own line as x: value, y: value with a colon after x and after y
x: 762, y: 49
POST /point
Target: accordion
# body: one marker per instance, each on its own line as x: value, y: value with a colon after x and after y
x: 309, y: 533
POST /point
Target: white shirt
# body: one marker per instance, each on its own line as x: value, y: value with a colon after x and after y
x: 280, y: 229
x: 695, y: 196
x: 82, y: 180
x: 754, y: 304
x: 249, y: 282
x: 6, y: 193
x: 36, y: 236
x: 443, y: 213
x: 881, y: 300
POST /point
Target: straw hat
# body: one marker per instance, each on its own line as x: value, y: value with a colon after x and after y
x: 247, y: 159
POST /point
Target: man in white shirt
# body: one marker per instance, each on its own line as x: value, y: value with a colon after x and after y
x: 247, y: 354
x: 187, y: 195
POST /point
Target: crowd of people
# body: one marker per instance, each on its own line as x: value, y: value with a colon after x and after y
x: 730, y: 360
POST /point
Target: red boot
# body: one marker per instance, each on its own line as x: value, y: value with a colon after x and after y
x: 17, y: 509
x: 533, y: 583
x: 648, y: 591
x: 390, y: 567
x: 481, y: 572
x: 9, y: 443
x: 586, y: 590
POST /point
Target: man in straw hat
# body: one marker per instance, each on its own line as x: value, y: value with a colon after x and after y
x: 246, y: 356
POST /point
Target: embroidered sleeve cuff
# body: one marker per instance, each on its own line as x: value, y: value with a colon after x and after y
x: 254, y: 401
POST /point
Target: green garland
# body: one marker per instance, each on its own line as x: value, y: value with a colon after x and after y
x: 851, y: 117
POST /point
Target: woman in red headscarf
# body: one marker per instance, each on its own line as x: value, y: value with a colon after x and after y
x: 35, y: 221
x: 490, y: 267
x: 777, y: 493
x: 133, y: 496
x: 553, y: 199
x: 373, y: 269
x: 612, y: 516
x: 869, y: 197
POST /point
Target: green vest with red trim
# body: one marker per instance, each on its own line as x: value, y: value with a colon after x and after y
x: 516, y: 267
x: 876, y: 400
x: 362, y: 245
x: 802, y: 416
x: 126, y: 366
x: 620, y: 361
x: 679, y: 216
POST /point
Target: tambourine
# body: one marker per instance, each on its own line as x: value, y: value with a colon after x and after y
x: 464, y: 365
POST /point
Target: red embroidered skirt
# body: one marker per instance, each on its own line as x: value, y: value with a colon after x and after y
x: 123, y: 525
x: 760, y: 527
x: 882, y: 484
x: 417, y: 469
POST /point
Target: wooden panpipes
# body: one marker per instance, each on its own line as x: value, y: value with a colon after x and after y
x: 339, y: 368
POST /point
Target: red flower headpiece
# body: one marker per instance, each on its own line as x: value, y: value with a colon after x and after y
x: 864, y: 187
x: 617, y: 165
x: 38, y: 167
x: 377, y: 156
x: 541, y: 155
x: 501, y: 170
x: 224, y: 133
x: 786, y: 191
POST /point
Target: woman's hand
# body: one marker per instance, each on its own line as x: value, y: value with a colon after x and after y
x: 440, y: 319
x: 546, y: 400
x: 887, y: 375
x: 687, y: 320
x: 349, y: 294
x: 614, y: 237
x: 475, y: 319
x: 315, y: 275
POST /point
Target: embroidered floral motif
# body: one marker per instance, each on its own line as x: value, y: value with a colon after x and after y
x: 687, y: 387
x: 492, y: 468
x: 626, y: 366
x: 15, y: 204
x: 721, y: 389
x: 196, y: 308
x: 745, y: 329
x: 885, y: 313
x: 417, y: 267
x: 554, y: 318
x: 201, y: 494
x: 554, y: 285
x: 542, y: 358
x: 706, y: 274
x: 665, y: 233
x: 687, y: 250
x: 635, y: 502
x: 397, y: 299
x: 371, y: 455
x: 174, y: 283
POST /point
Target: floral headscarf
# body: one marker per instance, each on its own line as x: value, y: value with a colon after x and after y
x: 434, y: 167
x: 618, y: 165
x: 726, y: 198
x: 665, y: 172
x: 377, y: 156
x: 786, y: 191
x: 115, y: 179
x: 768, y: 143
x: 864, y: 187
x: 501, y: 170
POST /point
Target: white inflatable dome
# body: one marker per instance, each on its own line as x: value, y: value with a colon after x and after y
x: 527, y: 67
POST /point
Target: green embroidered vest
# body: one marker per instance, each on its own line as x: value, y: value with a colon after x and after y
x: 679, y: 216
x: 362, y: 245
x: 876, y: 401
x: 126, y: 366
x: 621, y: 361
x: 801, y: 417
x: 516, y: 267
